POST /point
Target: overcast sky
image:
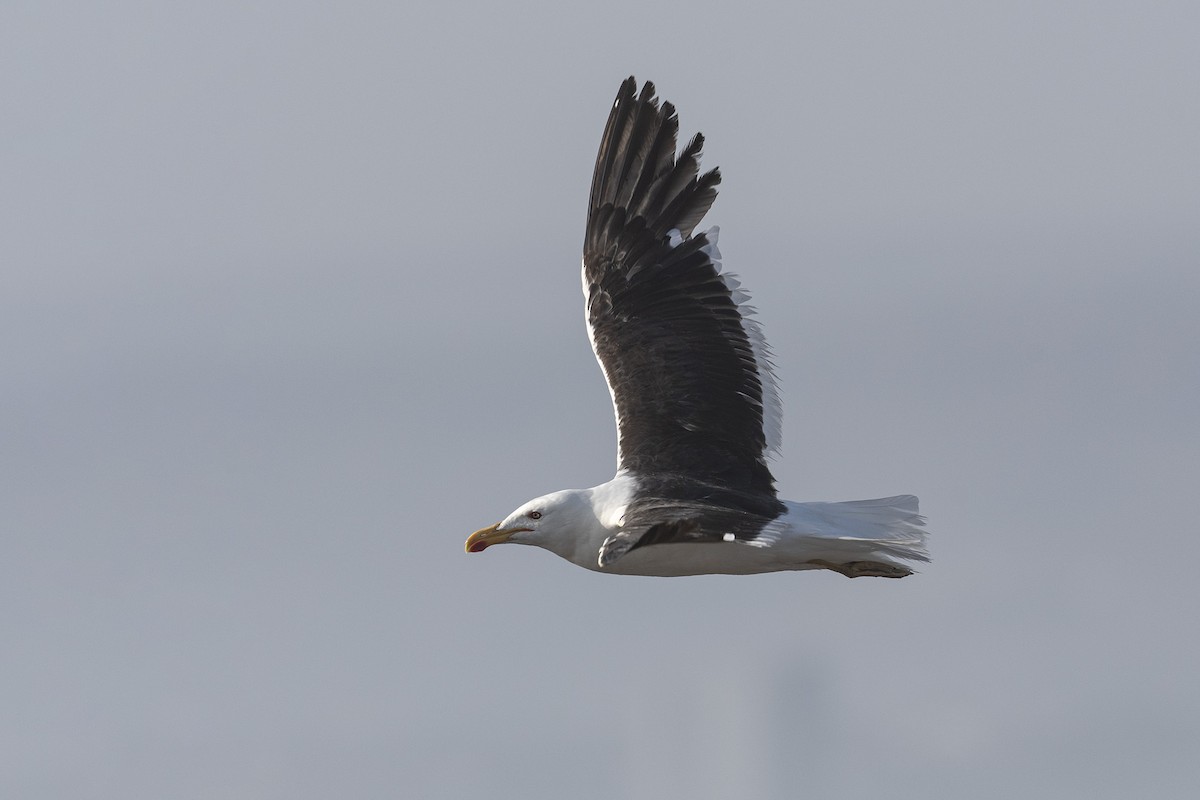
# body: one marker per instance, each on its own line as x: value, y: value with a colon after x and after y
x: 289, y: 305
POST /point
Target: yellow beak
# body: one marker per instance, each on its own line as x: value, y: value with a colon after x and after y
x: 486, y: 537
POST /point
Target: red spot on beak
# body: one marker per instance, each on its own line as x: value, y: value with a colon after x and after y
x: 479, y: 547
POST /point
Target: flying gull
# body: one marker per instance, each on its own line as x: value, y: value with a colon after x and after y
x: 695, y: 398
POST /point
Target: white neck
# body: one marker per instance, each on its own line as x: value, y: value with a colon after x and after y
x: 589, y: 516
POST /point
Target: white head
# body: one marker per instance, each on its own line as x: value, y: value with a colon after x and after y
x: 561, y: 522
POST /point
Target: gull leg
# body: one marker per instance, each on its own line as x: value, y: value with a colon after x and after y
x: 864, y: 569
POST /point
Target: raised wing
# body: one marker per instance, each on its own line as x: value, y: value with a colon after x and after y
x: 689, y: 371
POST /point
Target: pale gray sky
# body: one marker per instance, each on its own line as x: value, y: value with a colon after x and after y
x: 289, y: 305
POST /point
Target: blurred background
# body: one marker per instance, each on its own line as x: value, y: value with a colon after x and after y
x: 289, y: 305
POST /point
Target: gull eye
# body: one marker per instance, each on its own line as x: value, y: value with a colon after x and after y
x: 534, y: 515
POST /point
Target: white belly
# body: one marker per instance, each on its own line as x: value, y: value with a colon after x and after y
x: 879, y: 535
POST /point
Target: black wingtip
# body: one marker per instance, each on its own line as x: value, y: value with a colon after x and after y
x: 638, y: 172
x: 628, y: 90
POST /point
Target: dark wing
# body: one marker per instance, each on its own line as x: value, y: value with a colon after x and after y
x: 688, y: 370
x: 668, y: 509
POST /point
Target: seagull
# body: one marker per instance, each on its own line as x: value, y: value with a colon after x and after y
x: 694, y: 393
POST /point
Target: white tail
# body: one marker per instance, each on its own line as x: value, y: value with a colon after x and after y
x: 877, y: 535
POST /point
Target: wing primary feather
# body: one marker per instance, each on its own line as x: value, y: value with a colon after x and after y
x: 613, y: 129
